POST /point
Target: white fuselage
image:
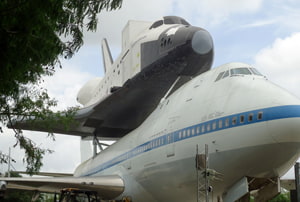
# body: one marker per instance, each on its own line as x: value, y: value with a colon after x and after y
x: 124, y: 67
x: 251, y: 127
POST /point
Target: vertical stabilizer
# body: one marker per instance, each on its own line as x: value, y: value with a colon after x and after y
x: 106, y: 55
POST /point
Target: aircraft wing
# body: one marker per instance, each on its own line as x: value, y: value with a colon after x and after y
x: 48, y: 174
x: 108, y: 187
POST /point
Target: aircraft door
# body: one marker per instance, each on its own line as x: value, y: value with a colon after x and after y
x: 170, y: 148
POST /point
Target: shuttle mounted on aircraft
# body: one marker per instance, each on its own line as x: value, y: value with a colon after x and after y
x: 153, y: 57
x: 166, y: 107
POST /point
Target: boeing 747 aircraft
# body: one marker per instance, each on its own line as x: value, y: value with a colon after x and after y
x: 165, y: 106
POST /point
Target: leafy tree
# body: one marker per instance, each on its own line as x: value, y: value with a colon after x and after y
x: 283, y: 197
x: 34, y: 35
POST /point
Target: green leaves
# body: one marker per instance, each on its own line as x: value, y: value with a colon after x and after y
x: 33, y: 154
x: 31, y: 35
x: 34, y: 35
x: 33, y: 104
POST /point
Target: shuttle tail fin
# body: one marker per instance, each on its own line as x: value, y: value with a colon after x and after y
x: 107, y: 58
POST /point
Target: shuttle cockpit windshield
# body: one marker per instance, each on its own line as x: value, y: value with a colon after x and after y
x: 175, y: 20
x: 168, y: 20
x: 240, y: 71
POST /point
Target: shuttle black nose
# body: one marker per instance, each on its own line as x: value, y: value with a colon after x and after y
x: 202, y: 42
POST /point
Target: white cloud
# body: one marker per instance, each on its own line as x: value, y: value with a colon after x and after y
x: 259, y: 23
x: 63, y: 86
x: 280, y: 13
x: 227, y: 7
x: 281, y: 62
x: 65, y: 158
x: 287, y: 18
x: 111, y: 23
x: 215, y: 12
x: 204, y: 12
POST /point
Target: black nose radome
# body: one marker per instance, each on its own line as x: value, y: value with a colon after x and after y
x: 202, y: 42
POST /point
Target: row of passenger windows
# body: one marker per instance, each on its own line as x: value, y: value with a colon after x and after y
x: 150, y: 145
x: 199, y: 129
x: 238, y: 71
x: 220, y: 124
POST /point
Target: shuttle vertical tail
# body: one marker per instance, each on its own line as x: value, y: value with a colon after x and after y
x: 106, y: 55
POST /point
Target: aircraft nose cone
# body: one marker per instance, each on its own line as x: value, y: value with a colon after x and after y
x: 202, y: 42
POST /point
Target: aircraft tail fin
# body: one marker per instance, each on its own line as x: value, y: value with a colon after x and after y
x: 107, y: 58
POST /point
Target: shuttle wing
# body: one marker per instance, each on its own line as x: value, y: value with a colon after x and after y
x: 108, y: 187
x: 118, y: 113
x: 188, y: 53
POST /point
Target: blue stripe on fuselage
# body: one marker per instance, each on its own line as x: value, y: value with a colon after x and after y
x: 222, y: 123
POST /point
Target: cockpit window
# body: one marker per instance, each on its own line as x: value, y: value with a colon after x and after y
x: 156, y: 24
x: 175, y: 20
x: 219, y: 76
x: 168, y: 20
x: 256, y: 72
x: 240, y: 71
x: 226, y: 74
x: 184, y: 22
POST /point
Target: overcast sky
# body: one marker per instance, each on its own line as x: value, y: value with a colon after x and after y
x: 263, y: 33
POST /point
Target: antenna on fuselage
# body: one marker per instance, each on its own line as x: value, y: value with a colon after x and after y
x: 106, y: 55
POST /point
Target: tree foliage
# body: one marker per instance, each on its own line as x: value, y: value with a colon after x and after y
x: 282, y: 197
x: 34, y: 35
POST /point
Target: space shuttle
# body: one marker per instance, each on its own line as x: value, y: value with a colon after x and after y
x: 155, y: 57
x: 167, y: 108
